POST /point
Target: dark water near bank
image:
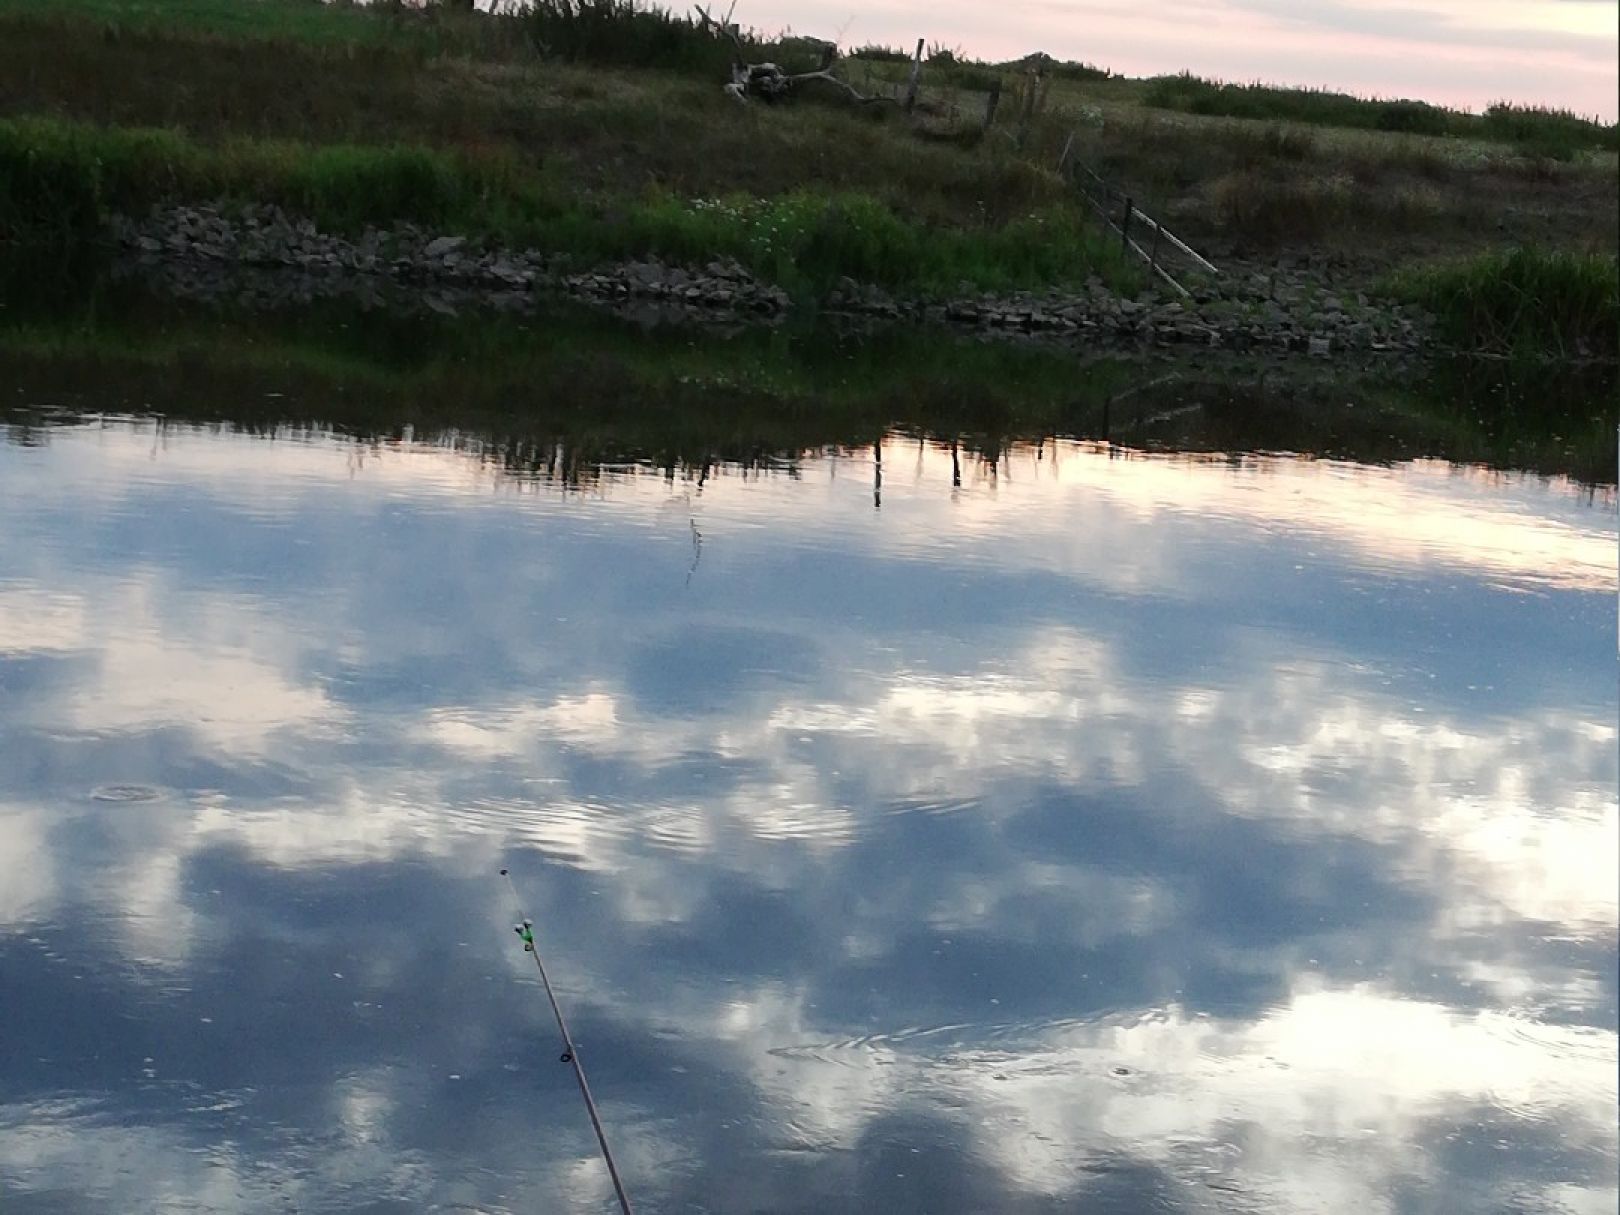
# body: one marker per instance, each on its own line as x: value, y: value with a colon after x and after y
x: 1054, y: 827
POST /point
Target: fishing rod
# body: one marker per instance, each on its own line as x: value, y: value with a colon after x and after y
x: 570, y: 1055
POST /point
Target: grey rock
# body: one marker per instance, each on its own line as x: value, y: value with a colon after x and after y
x: 443, y: 245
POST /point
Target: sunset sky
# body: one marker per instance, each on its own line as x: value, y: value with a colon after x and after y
x: 1458, y: 52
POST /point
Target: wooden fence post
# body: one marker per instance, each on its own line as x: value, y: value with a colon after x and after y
x: 1125, y: 225
x: 1063, y: 160
x: 1153, y: 259
x: 1032, y: 84
x: 993, y: 102
x: 916, y: 73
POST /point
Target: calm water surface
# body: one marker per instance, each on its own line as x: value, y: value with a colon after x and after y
x: 1104, y: 833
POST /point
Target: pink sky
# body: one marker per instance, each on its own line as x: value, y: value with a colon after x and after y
x: 1458, y: 52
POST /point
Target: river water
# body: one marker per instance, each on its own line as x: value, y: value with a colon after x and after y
x: 906, y: 830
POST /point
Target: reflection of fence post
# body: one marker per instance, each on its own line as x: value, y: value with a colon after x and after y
x: 877, y: 474
x: 916, y: 73
x: 1125, y: 225
x: 992, y: 103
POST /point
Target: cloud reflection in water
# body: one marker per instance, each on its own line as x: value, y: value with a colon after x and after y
x: 1158, y: 833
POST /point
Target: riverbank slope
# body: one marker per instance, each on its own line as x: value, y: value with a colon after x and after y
x: 603, y: 145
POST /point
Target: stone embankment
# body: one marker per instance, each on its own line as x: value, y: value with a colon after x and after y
x: 199, y: 250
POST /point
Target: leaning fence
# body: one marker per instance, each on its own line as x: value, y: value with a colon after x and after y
x: 1119, y: 211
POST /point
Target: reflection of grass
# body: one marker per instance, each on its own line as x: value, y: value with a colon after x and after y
x: 598, y: 389
x: 608, y: 386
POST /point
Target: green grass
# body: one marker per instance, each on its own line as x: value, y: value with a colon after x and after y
x: 1524, y: 303
x: 64, y: 180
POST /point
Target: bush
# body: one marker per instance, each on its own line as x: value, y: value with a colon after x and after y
x: 1543, y: 132
x: 1068, y: 69
x: 880, y: 54
x: 1410, y: 117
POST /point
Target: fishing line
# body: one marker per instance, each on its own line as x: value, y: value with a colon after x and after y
x: 570, y: 1055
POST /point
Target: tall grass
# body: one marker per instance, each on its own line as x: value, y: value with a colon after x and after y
x: 1525, y: 303
x: 629, y: 33
x: 60, y: 181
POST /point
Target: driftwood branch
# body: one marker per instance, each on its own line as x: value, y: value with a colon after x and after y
x: 826, y: 74
x: 767, y: 81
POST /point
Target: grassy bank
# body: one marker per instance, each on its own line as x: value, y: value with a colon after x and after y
x: 554, y: 94
x: 61, y: 180
x: 591, y: 125
x: 1524, y: 303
